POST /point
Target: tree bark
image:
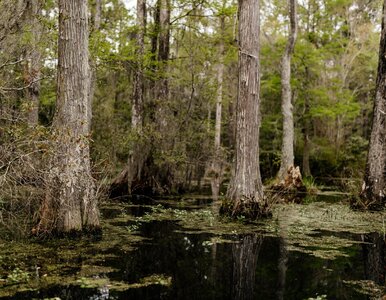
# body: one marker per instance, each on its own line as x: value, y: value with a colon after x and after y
x: 163, y: 50
x: 245, y: 190
x: 70, y: 203
x: 287, y: 150
x: 33, y: 61
x: 374, y: 186
x: 137, y: 155
x: 307, y: 131
x: 166, y: 130
x: 217, y: 160
x: 138, y: 89
x: 95, y: 28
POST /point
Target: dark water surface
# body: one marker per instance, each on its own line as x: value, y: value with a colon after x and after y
x: 148, y: 253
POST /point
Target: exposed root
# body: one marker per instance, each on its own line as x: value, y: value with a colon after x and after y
x: 247, y: 208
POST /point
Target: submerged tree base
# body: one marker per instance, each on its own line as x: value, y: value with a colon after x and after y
x: 153, y: 180
x: 246, y: 208
x: 362, y: 202
x: 292, y: 188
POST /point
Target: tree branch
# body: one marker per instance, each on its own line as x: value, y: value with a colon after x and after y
x: 10, y: 89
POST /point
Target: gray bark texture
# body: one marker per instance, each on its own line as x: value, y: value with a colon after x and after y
x: 245, y: 190
x: 287, y: 150
x: 93, y: 76
x: 137, y: 110
x: 307, y: 132
x: 163, y: 51
x: 374, y: 186
x: 138, y: 154
x: 217, y: 160
x: 33, y: 60
x: 70, y: 203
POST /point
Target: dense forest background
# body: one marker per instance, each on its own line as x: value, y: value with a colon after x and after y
x: 186, y: 46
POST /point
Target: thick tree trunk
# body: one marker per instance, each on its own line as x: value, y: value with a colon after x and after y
x: 217, y: 160
x: 374, y: 186
x: 138, y: 154
x: 33, y: 61
x: 246, y: 191
x: 287, y: 150
x: 70, y: 203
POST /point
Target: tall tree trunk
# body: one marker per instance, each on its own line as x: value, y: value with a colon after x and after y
x: 70, y: 203
x: 307, y: 130
x: 162, y: 84
x: 166, y: 130
x: 93, y: 76
x: 164, y: 48
x: 33, y: 60
x: 148, y: 176
x: 138, y: 154
x: 217, y: 160
x: 287, y: 150
x: 374, y: 186
x: 138, y: 88
x: 246, y: 190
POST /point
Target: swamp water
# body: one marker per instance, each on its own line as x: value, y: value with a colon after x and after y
x: 179, y: 249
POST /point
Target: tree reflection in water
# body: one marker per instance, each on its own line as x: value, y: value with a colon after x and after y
x: 282, y: 267
x: 374, y: 251
x: 245, y: 255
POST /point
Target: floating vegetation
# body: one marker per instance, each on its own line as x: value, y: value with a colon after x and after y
x: 99, y: 282
x: 310, y: 229
x: 325, y: 232
x: 155, y: 279
x: 17, y: 275
x: 367, y: 287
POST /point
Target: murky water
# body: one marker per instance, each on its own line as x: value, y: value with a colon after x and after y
x: 180, y: 250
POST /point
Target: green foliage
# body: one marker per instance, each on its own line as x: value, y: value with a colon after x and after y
x: 333, y: 80
x: 17, y: 276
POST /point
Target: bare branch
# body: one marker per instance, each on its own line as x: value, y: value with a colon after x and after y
x: 10, y: 89
x: 11, y: 63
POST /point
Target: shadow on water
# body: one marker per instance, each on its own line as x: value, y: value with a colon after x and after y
x: 374, y: 251
x: 171, y: 262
